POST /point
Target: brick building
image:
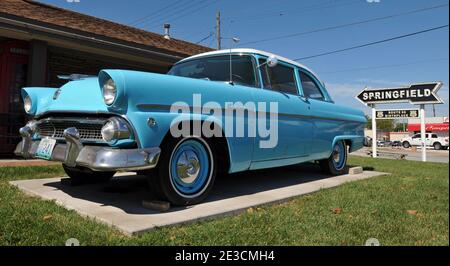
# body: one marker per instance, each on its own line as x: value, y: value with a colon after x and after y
x: 39, y: 42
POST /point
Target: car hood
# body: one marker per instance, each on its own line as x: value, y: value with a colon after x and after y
x: 75, y: 96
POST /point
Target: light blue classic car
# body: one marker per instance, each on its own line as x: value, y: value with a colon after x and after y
x: 218, y: 112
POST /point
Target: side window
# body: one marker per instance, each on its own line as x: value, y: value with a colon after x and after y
x: 310, y: 88
x: 279, y: 78
x: 416, y: 136
x: 434, y: 136
x: 217, y: 68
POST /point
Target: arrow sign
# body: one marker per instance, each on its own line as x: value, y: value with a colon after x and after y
x: 422, y: 93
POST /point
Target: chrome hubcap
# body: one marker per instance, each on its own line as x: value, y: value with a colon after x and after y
x: 188, y: 167
x: 336, y: 154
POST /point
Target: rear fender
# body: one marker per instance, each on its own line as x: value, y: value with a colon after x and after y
x: 355, y: 142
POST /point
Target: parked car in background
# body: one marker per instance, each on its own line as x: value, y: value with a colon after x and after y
x: 367, y: 141
x: 383, y: 143
x: 433, y: 140
x: 123, y: 120
x: 396, y: 143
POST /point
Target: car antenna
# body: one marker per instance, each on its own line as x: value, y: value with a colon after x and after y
x: 235, y: 40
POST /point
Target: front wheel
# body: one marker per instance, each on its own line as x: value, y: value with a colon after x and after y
x: 186, y: 171
x: 437, y: 146
x: 337, y: 161
x: 406, y: 144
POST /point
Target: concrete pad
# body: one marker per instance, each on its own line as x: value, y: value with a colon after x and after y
x: 119, y: 202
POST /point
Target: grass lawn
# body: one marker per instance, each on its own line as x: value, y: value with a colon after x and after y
x: 409, y: 207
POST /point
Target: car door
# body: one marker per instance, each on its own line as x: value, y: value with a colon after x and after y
x: 294, y: 128
x: 416, y: 140
x: 323, y: 109
x: 431, y: 139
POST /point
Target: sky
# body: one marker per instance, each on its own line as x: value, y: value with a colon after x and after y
x: 419, y: 58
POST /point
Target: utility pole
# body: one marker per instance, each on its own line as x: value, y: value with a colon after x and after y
x: 218, y: 30
x: 434, y: 111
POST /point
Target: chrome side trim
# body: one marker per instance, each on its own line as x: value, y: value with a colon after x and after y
x: 166, y: 108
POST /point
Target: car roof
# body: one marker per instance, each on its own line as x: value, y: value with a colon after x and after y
x: 250, y: 51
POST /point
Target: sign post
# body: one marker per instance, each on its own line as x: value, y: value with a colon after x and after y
x: 374, y: 132
x: 423, y: 133
x: 421, y: 93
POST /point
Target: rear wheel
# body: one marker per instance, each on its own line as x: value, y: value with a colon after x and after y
x: 406, y: 144
x: 437, y: 146
x: 337, y: 161
x: 186, y: 171
x: 79, y: 175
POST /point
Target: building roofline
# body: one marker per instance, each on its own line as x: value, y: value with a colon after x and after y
x: 108, y: 21
x: 64, y: 20
x: 23, y: 25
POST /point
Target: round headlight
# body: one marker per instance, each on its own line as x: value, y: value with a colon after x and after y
x: 109, y: 91
x: 115, y: 129
x: 109, y: 131
x: 27, y: 104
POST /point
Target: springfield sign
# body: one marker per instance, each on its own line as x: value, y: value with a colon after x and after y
x: 423, y: 93
x: 419, y: 93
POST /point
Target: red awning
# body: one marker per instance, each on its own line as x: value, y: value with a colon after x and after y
x: 429, y: 127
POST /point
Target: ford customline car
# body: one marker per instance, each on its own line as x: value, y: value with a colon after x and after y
x: 160, y: 125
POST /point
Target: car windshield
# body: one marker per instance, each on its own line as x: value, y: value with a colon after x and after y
x: 217, y: 68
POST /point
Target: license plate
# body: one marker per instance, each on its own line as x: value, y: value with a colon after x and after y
x: 45, y: 148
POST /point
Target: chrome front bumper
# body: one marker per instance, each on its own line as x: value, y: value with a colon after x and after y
x: 97, y: 158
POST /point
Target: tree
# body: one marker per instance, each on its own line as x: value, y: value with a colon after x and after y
x: 400, y: 127
x: 382, y: 124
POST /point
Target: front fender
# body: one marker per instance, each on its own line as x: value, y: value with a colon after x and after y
x: 239, y: 149
x: 41, y: 98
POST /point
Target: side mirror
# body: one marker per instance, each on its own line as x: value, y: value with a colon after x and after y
x: 272, y: 61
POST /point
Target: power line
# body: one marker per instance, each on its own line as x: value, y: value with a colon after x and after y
x: 176, y: 15
x: 346, y: 25
x: 385, y: 66
x: 326, y: 5
x: 205, y: 38
x: 371, y: 43
x: 173, y: 11
x: 247, y: 9
x: 137, y: 21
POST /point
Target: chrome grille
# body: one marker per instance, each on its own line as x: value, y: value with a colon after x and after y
x: 89, y: 129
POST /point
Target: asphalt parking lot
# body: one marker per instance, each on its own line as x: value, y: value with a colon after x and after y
x: 441, y: 156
